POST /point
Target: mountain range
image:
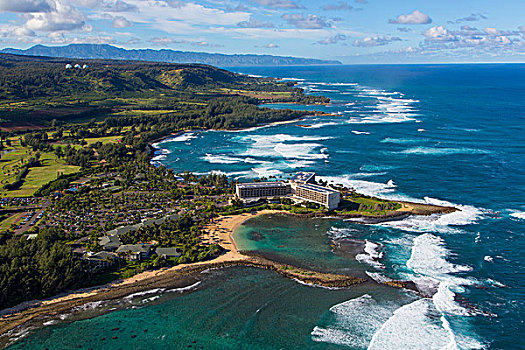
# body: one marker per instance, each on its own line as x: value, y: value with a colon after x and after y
x: 104, y: 51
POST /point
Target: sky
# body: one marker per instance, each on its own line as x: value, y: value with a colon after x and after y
x: 353, y: 31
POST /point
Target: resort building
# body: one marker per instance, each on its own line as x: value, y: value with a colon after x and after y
x: 139, y: 251
x: 262, y: 190
x: 303, y: 177
x: 318, y: 194
x: 301, y: 186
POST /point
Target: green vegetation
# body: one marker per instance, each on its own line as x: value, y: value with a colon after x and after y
x: 38, y: 268
x: 368, y: 206
x: 38, y: 90
x: 76, y: 164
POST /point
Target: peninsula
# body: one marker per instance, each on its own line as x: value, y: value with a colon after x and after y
x: 83, y: 207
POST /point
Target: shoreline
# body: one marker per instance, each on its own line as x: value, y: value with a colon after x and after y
x: 220, y: 232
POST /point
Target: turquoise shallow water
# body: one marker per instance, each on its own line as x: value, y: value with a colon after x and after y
x: 443, y: 134
x: 236, y: 308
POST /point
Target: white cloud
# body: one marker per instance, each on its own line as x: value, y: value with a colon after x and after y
x: 253, y: 23
x: 161, y: 15
x: 280, y: 4
x: 492, y: 31
x: 306, y: 22
x: 121, y: 22
x: 489, y: 41
x: 415, y: 17
x: 24, y: 6
x: 332, y: 39
x: 340, y: 6
x: 470, y: 18
x: 439, y: 33
x: 62, y: 18
x: 370, y: 41
x: 106, y: 5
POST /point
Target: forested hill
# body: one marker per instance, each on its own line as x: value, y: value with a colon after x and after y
x: 36, y: 90
x: 104, y: 51
x: 33, y: 77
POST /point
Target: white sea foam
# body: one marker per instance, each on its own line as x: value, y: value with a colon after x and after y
x: 180, y: 138
x: 372, y: 255
x: 226, y: 159
x: 443, y: 223
x: 488, y: 258
x: 518, y: 215
x: 401, y: 140
x: 441, y: 151
x: 322, y: 125
x: 341, y: 232
x: 381, y: 118
x: 87, y: 306
x: 368, y: 188
x: 284, y: 146
x: 360, y: 132
x: 220, y: 159
x: 266, y: 172
x: 315, y: 285
x: 361, y: 175
x: 411, y: 328
x: 183, y: 289
x: 429, y: 257
x: 429, y: 262
x: 353, y: 322
x: 374, y: 167
x: 139, y: 294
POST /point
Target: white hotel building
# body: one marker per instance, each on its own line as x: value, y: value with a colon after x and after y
x: 301, y: 187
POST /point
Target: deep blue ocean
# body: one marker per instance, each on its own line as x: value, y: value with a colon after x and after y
x: 443, y: 134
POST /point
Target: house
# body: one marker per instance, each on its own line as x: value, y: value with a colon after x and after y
x: 170, y: 252
x: 101, y: 259
x: 125, y: 229
x: 135, y: 251
x: 109, y: 243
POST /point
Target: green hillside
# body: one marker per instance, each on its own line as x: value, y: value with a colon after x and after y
x: 38, y: 89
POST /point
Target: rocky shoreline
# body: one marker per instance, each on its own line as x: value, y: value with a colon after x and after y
x: 170, y: 279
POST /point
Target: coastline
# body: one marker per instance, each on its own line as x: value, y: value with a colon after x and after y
x: 179, y: 276
x: 220, y: 232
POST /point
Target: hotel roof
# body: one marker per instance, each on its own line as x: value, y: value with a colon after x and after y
x: 317, y: 188
x: 262, y: 184
x: 302, y: 177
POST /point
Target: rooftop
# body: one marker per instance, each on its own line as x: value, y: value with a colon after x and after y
x: 101, y: 256
x: 262, y: 184
x: 134, y: 248
x: 302, y: 176
x: 109, y: 241
x: 170, y: 251
x: 317, y: 188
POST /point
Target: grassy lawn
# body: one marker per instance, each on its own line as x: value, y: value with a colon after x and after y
x: 39, y: 176
x: 11, y: 161
x: 105, y: 139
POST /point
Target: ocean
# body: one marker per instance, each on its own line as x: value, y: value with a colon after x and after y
x: 439, y: 134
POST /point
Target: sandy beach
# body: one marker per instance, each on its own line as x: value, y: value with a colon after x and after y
x: 219, y: 232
